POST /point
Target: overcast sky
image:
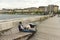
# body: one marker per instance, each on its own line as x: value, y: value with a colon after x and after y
x: 26, y: 3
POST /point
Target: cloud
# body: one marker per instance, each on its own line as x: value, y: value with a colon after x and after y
x: 17, y: 3
x: 26, y: 3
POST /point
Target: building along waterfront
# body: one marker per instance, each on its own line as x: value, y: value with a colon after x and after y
x: 33, y: 10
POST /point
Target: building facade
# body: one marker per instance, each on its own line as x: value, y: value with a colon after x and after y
x: 41, y: 9
x: 53, y: 8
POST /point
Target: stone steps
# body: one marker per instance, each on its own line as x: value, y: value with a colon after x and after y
x: 15, y: 36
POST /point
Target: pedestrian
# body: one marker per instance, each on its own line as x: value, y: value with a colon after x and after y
x: 20, y: 26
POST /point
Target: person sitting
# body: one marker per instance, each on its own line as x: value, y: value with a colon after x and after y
x: 20, y: 26
x: 32, y: 25
x: 25, y: 29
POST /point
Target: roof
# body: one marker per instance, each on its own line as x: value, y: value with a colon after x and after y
x: 42, y: 6
x: 54, y: 5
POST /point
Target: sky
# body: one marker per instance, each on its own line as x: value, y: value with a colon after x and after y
x: 26, y: 3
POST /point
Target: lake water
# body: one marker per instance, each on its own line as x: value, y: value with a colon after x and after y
x: 11, y: 16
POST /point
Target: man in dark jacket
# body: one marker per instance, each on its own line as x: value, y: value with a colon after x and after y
x: 20, y: 26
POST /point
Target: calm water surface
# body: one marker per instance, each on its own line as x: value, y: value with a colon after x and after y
x: 10, y: 16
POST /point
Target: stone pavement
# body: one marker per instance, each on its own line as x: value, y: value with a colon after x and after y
x: 48, y: 29
x: 16, y: 36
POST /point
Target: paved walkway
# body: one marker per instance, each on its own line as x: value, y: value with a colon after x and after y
x: 16, y: 36
x: 48, y: 29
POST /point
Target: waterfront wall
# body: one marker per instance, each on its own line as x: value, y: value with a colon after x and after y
x: 11, y: 26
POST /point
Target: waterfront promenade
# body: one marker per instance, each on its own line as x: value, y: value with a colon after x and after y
x: 48, y: 29
x: 9, y: 28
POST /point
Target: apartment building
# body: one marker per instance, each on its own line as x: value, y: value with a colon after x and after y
x: 53, y: 8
